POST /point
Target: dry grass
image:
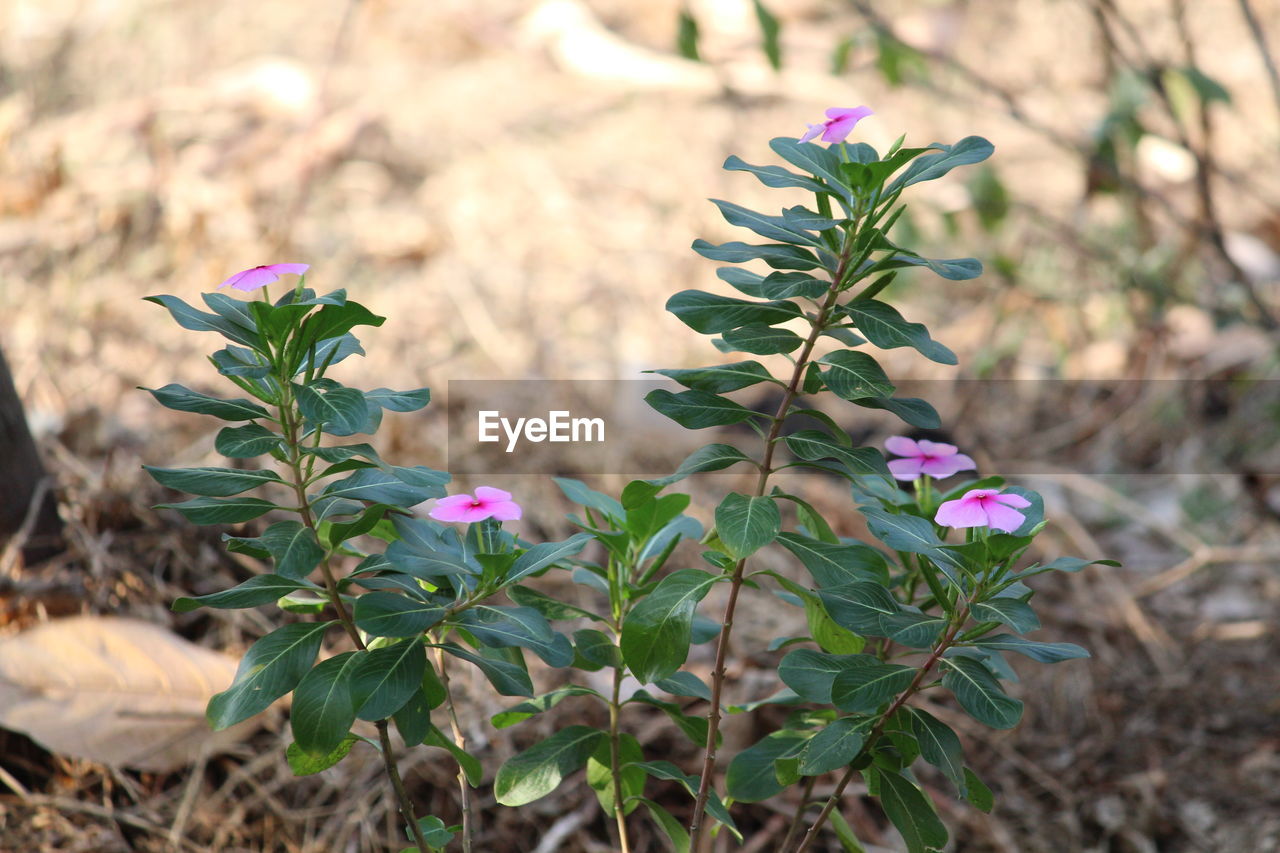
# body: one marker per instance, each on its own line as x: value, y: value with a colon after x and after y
x: 519, y: 212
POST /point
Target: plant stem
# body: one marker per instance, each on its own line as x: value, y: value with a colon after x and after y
x: 464, y: 789
x: 818, y: 325
x: 798, y: 817
x: 615, y: 762
x: 945, y: 643
x: 288, y: 420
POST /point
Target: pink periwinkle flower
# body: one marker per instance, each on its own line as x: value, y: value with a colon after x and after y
x: 839, y: 124
x: 983, y: 508
x: 487, y: 503
x: 252, y: 279
x: 934, y: 458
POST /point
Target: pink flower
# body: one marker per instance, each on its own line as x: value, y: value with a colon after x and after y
x: 983, y: 508
x: 488, y: 503
x: 925, y: 457
x: 252, y: 279
x: 839, y: 124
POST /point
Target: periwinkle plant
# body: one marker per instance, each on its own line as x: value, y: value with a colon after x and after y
x: 886, y: 621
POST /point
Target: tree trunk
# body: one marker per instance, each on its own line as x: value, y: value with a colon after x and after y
x: 23, y: 480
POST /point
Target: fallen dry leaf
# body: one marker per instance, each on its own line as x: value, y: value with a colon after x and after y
x: 117, y: 691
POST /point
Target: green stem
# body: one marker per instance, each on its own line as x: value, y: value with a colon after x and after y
x: 876, y: 731
x: 464, y: 789
x: 289, y: 421
x: 818, y: 325
x: 615, y: 761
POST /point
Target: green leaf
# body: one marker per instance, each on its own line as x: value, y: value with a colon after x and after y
x: 826, y: 633
x: 865, y: 684
x: 687, y: 35
x: 885, y: 327
x: 710, y: 313
x: 811, y: 673
x: 341, y: 411
x: 553, y: 609
x: 953, y: 269
x: 777, y: 255
x: 657, y: 632
x: 1018, y: 615
x: 970, y: 150
x: 768, y: 227
x: 912, y: 410
x: 812, y: 158
x: 386, y: 614
x: 855, y: 374
x: 939, y: 746
x: 403, y: 487
x: 770, y: 30
x: 232, y: 360
x: 331, y: 352
x: 523, y: 627
x: 305, y: 764
x: 750, y: 777
x: 672, y: 828
x: 911, y: 812
x: 269, y: 669
x: 322, y: 710
x: 333, y: 321
x: 245, y: 442
x: 909, y: 533
x: 182, y: 399
x: 434, y: 832
x: 546, y: 554
x: 722, y: 378
x: 413, y: 718
x: 806, y: 220
x: 386, y: 678
x: 776, y: 285
x: 523, y: 711
x: 467, y: 762
x: 632, y: 778
x: 833, y: 565
x: 980, y: 694
x: 1043, y: 652
x: 221, y: 510
x: 292, y: 545
x: 399, y: 401
x: 685, y: 684
x: 690, y: 782
x: 577, y: 491
x: 199, y: 321
x: 745, y: 525
x: 595, y: 650
x: 212, y: 482
x: 256, y: 591
x: 538, y: 770
x: 762, y: 340
x: 977, y: 793
x: 507, y: 678
x: 694, y: 728
x: 775, y: 176
x: 812, y: 445
x: 698, y: 409
x: 712, y: 457
x: 833, y: 747
x: 862, y: 607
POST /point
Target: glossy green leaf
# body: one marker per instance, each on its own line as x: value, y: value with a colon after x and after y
x: 322, y: 710
x: 911, y: 812
x: 980, y: 693
x: 811, y: 673
x: 781, y: 256
x: 523, y: 627
x: 833, y: 747
x: 632, y: 778
x: 812, y: 445
x: 881, y: 324
x: 305, y: 764
x: 712, y: 457
x: 294, y: 548
x: 537, y: 771
x: 386, y: 614
x: 657, y: 632
x: 256, y: 591
x: 270, y: 668
x: 341, y: 411
x: 246, y: 442
x: 386, y: 678
x: 1042, y: 652
x: 746, y: 524
x: 531, y: 708
x: 507, y: 678
x: 939, y: 745
x: 865, y: 684
x: 862, y: 607
x: 833, y: 565
x: 750, y: 777
x: 399, y: 401
x: 182, y: 399
x: 403, y: 487
x: 721, y: 378
x: 1017, y: 615
x: 333, y: 321
x: 911, y: 410
x: 221, y: 510
x: 775, y: 176
x: 970, y: 150
x: 673, y: 829
x: 546, y: 554
x: 711, y: 313
x: 698, y: 409
x: 852, y: 375
x: 199, y: 321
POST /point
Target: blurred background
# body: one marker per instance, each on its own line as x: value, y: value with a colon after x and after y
x: 515, y: 185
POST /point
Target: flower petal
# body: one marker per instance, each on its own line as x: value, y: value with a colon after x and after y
x: 814, y: 130
x: 936, y: 448
x: 452, y: 508
x: 856, y: 113
x: 979, y: 494
x: 1010, y: 499
x: 842, y: 122
x: 960, y: 513
x: 254, y: 279
x: 1001, y: 517
x: 292, y: 269
x: 906, y: 469
x: 945, y: 466
x: 505, y: 510
x: 489, y: 494
x: 235, y: 278
x: 900, y: 445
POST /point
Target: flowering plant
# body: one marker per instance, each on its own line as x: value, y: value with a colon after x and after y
x: 885, y: 619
